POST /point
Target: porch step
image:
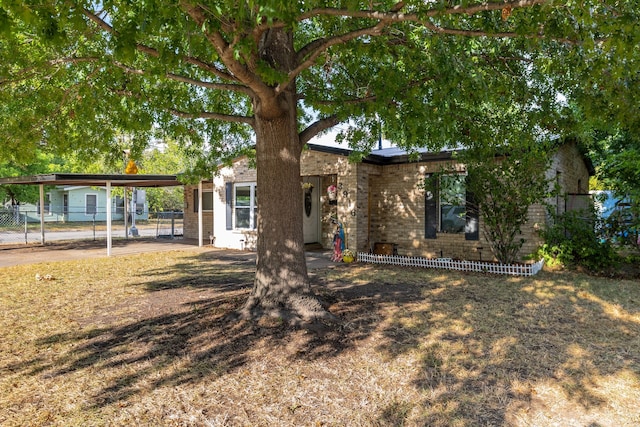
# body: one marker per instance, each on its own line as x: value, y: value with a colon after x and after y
x: 312, y: 247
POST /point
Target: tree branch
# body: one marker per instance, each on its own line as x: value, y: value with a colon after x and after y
x: 395, y: 15
x: 322, y: 46
x: 476, y: 33
x: 470, y: 33
x: 101, y: 23
x: 211, y: 85
x: 317, y: 127
x: 173, y: 76
x: 191, y: 81
x: 30, y: 71
x: 352, y: 101
x: 314, y: 45
x: 308, y: 54
x: 217, y: 116
x: 226, y: 52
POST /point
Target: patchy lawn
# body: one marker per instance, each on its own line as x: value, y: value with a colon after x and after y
x: 143, y: 340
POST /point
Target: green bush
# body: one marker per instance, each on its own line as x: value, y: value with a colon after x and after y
x: 622, y: 228
x: 572, y: 241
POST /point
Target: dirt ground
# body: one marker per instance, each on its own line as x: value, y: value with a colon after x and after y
x: 83, y: 249
x: 146, y: 340
x: 80, y: 249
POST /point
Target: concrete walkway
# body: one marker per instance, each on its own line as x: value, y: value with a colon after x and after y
x: 65, y: 251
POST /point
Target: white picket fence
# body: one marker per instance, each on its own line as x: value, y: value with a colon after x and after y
x: 451, y: 264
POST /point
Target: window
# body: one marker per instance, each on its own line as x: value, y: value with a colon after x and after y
x: 449, y: 207
x: 47, y: 205
x: 452, y: 203
x: 118, y: 202
x: 207, y: 200
x: 245, y: 205
x: 90, y: 204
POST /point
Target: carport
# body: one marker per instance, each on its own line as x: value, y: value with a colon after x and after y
x: 95, y: 180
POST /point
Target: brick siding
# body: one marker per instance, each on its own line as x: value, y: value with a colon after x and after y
x: 385, y: 203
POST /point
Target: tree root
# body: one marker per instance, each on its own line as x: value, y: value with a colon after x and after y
x: 304, y: 311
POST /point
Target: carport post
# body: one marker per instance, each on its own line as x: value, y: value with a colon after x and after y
x: 200, y: 232
x: 109, y: 218
x: 124, y: 213
x: 41, y: 214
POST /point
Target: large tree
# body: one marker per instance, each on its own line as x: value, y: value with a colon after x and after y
x: 275, y: 73
x: 39, y: 163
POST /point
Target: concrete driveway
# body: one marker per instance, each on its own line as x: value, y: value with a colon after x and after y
x: 70, y: 250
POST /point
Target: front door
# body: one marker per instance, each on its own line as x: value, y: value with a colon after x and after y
x: 311, y: 209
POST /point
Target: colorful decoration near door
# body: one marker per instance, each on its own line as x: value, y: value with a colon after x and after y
x: 338, y: 242
x: 332, y: 192
x: 348, y: 256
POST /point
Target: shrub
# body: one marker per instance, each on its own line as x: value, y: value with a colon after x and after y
x: 572, y: 240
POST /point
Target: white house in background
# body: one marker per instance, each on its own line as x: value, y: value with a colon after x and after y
x: 81, y: 204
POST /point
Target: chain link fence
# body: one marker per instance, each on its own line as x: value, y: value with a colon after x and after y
x: 22, y: 225
x: 15, y: 227
x: 169, y: 224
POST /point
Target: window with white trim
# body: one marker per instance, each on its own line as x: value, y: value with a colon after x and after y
x: 47, y: 205
x: 245, y: 207
x: 90, y: 204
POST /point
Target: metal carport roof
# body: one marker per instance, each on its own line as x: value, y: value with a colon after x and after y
x: 98, y: 180
x: 95, y: 180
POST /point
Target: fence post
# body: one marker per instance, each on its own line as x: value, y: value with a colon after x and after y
x: 26, y: 231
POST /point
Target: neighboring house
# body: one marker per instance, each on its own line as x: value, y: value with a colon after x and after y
x: 380, y: 202
x: 81, y: 203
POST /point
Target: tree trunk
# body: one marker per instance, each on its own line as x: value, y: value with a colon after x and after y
x: 281, y: 287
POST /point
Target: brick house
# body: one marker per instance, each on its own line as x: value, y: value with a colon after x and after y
x: 379, y: 202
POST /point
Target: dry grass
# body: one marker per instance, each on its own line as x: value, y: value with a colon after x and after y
x: 143, y: 340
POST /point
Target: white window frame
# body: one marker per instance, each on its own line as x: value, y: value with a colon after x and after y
x: 47, y: 205
x: 252, y: 205
x: 86, y: 205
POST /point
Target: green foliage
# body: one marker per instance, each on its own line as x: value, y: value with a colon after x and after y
x: 616, y: 151
x: 572, y: 240
x: 42, y: 163
x: 165, y: 158
x: 619, y: 165
x: 505, y: 182
x: 76, y: 84
x: 77, y: 76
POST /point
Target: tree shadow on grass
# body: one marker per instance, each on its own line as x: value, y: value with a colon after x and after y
x: 195, y: 343
x: 177, y: 332
x: 487, y: 343
x: 482, y: 343
x: 207, y: 270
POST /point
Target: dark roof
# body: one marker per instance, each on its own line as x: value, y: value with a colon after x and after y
x: 396, y: 155
x: 388, y: 156
x: 95, y: 180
